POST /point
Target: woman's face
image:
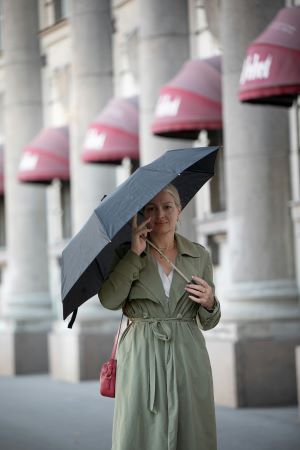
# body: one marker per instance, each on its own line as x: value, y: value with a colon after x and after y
x: 163, y: 212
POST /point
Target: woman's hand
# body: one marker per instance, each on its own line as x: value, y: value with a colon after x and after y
x: 139, y: 235
x: 201, y: 293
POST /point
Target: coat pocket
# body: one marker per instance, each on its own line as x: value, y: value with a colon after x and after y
x: 124, y: 344
x: 197, y: 335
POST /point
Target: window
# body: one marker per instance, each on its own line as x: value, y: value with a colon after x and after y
x: 66, y: 209
x: 61, y: 9
x: 213, y: 245
x: 217, y: 185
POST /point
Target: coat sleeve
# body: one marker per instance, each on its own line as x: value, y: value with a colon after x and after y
x: 206, y: 319
x: 125, y: 270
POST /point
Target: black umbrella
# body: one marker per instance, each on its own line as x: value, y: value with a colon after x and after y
x: 87, y: 258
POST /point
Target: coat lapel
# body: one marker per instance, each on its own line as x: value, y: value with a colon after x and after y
x: 187, y: 253
x: 151, y: 281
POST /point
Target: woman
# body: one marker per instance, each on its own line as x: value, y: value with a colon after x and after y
x: 164, y: 391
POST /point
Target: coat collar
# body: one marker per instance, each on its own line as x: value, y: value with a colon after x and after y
x: 184, y: 247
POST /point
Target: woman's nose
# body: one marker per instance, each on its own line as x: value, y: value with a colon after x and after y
x: 159, y: 213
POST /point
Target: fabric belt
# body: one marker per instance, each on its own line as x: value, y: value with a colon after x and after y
x: 162, y: 331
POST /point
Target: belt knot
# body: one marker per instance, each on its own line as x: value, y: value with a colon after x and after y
x: 161, y: 330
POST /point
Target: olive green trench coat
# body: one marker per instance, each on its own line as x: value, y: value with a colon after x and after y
x: 164, y: 392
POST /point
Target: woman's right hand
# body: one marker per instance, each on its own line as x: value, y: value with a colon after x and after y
x: 139, y: 235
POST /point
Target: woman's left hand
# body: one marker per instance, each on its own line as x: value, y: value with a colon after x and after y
x: 201, y: 292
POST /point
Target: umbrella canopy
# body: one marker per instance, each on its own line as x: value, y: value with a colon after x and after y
x: 271, y: 70
x: 1, y: 170
x: 114, y: 134
x: 190, y: 102
x: 46, y: 157
x: 87, y: 258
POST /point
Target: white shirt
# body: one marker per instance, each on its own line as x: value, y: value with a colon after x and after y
x: 166, y: 279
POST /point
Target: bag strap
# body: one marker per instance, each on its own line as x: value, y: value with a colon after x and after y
x: 116, y: 340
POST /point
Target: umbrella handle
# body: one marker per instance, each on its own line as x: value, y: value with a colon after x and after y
x: 170, y: 262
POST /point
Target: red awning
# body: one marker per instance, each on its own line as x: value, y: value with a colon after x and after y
x: 47, y: 157
x: 1, y: 170
x: 271, y: 70
x: 114, y: 134
x: 190, y: 102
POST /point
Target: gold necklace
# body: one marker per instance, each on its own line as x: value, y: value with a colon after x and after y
x: 166, y: 248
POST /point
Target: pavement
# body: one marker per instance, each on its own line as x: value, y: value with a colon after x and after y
x: 38, y: 413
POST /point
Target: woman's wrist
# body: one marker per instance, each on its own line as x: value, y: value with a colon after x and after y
x: 211, y: 307
x: 135, y: 251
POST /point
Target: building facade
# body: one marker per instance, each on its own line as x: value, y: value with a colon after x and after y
x: 61, y: 62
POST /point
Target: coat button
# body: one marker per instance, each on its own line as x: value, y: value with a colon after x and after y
x: 179, y: 316
x: 145, y: 316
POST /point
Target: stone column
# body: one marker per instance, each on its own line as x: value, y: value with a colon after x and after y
x: 297, y: 356
x: 164, y: 48
x: 91, y: 29
x: 76, y: 354
x: 295, y: 209
x: 26, y: 306
x: 260, y: 326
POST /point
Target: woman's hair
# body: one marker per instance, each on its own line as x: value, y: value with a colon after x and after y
x: 171, y: 189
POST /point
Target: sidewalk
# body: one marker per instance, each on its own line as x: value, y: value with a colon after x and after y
x: 37, y: 413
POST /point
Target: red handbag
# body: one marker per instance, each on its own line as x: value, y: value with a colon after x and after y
x: 108, y: 372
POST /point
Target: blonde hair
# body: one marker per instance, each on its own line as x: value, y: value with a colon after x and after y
x: 171, y: 189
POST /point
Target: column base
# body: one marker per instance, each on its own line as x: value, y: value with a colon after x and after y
x: 254, y: 370
x: 77, y: 354
x: 23, y: 351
